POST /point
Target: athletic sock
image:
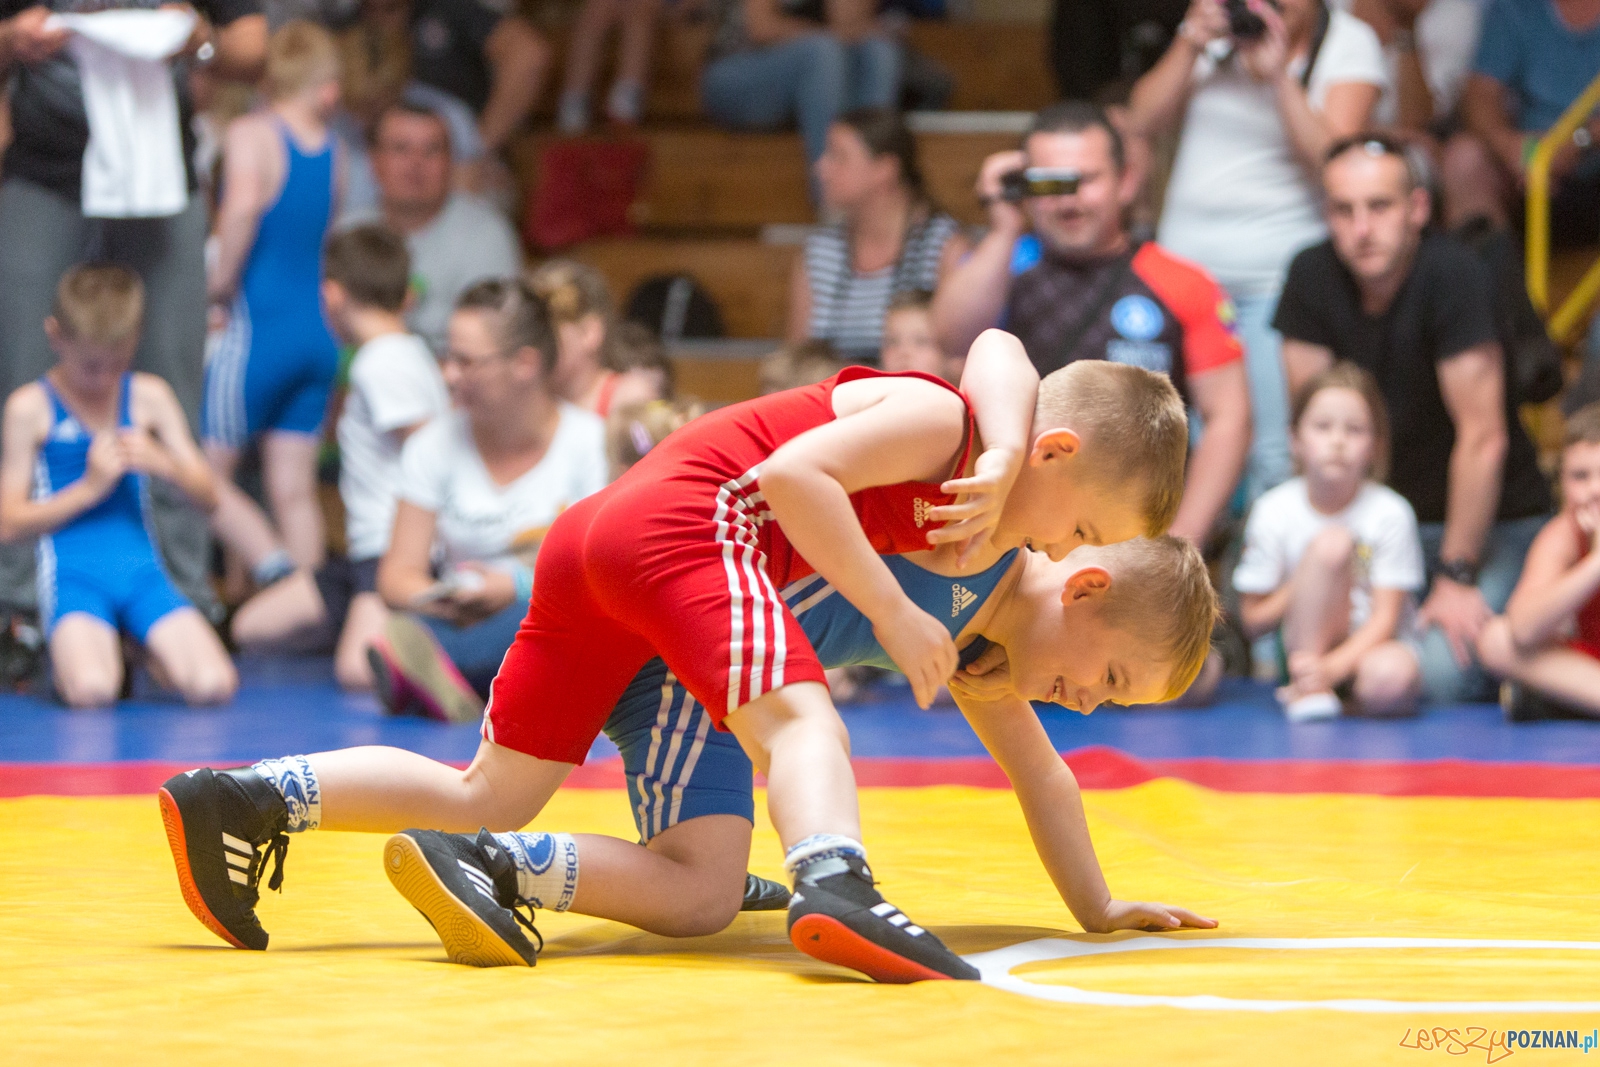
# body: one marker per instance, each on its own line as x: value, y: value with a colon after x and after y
x: 547, y: 867
x: 296, y: 782
x: 821, y: 855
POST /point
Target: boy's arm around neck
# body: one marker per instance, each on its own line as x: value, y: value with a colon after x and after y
x: 26, y: 421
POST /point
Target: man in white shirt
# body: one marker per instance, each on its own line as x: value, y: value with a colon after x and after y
x: 454, y: 239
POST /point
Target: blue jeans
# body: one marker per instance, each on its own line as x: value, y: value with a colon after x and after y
x: 1269, y: 393
x: 1443, y: 680
x: 812, y: 80
x: 477, y: 650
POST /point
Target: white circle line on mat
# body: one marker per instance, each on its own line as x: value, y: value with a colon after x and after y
x: 996, y: 967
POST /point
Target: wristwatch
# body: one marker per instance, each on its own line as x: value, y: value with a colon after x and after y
x: 1459, y: 571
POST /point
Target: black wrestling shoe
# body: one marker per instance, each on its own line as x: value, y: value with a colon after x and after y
x: 836, y: 916
x: 1522, y: 704
x: 222, y: 827
x: 762, y: 894
x: 467, y: 889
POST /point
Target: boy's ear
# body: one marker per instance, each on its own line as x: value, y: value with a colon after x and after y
x: 52, y: 333
x: 332, y: 294
x: 1086, y: 583
x: 1053, y: 443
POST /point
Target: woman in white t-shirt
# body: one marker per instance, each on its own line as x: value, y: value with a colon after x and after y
x: 1332, y: 557
x: 478, y: 489
x: 1256, y: 113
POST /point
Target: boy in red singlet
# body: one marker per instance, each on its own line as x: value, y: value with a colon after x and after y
x: 1547, y: 644
x: 681, y: 558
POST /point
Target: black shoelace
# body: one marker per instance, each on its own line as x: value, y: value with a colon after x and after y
x: 526, y: 921
x: 277, y: 848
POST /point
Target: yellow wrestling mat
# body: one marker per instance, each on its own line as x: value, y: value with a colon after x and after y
x: 100, y: 962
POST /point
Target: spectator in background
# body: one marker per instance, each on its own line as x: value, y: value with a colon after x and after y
x: 634, y: 429
x: 1257, y: 116
x: 910, y: 341
x: 395, y: 389
x: 1331, y: 559
x: 1416, y: 309
x: 594, y: 369
x: 636, y: 31
x: 489, y: 59
x: 1059, y: 270
x: 772, y: 62
x: 1534, y: 59
x: 1428, y: 47
x: 454, y: 239
x: 43, y: 232
x: 889, y: 236
x: 81, y: 445
x: 478, y: 489
x: 1547, y: 645
x: 272, y: 366
x: 798, y: 364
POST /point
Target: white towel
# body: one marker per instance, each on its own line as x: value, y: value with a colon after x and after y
x: 133, y: 165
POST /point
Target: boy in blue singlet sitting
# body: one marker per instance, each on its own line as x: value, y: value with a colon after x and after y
x: 78, y: 447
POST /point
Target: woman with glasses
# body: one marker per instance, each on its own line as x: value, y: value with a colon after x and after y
x: 479, y: 488
x: 1257, y: 92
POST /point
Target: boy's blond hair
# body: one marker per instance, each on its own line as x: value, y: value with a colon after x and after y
x: 99, y: 303
x: 1583, y: 426
x: 1132, y: 424
x: 1161, y: 593
x: 300, y: 55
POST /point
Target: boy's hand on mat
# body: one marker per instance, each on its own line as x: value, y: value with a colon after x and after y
x: 1142, y: 915
x: 986, y: 678
x: 980, y: 499
x: 106, y: 465
x: 921, y: 647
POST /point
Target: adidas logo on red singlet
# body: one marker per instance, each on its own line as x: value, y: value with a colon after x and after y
x: 961, y: 598
x: 919, y: 511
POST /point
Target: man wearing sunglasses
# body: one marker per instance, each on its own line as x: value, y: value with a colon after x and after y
x: 1417, y: 310
x: 1059, y: 269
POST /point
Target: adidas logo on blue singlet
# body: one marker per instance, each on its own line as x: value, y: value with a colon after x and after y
x: 961, y: 598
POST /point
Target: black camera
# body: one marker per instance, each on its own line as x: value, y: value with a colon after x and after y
x: 1019, y: 185
x: 1244, y: 24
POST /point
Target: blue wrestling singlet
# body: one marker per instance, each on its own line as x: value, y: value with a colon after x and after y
x: 273, y: 366
x: 679, y: 767
x: 105, y: 562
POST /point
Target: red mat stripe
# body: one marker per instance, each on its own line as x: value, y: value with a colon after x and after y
x: 1098, y: 767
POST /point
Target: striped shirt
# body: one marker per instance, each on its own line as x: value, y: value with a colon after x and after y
x: 847, y: 308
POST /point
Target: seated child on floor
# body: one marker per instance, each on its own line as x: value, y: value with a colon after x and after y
x: 909, y: 340
x: 1547, y: 644
x: 79, y: 446
x: 395, y: 388
x: 1332, y: 559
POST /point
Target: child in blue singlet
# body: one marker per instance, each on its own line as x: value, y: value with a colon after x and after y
x: 80, y: 445
x: 271, y: 367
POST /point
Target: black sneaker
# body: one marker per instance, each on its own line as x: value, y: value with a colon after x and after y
x: 1522, y: 704
x: 836, y: 916
x: 467, y: 889
x: 762, y: 894
x: 222, y: 827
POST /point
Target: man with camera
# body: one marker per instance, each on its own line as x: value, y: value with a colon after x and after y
x: 1059, y: 269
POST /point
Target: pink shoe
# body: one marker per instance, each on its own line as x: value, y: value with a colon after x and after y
x: 388, y: 683
x: 415, y: 660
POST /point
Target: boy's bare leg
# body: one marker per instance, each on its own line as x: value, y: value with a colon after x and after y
x: 795, y: 737
x: 289, y: 476
x: 278, y: 612
x: 191, y: 658
x: 86, y: 661
x: 362, y: 626
x: 687, y: 882
x: 1319, y: 611
x: 1388, y: 680
x: 241, y: 525
x: 1562, y: 673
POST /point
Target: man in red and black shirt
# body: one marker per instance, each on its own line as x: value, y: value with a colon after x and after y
x: 1062, y: 273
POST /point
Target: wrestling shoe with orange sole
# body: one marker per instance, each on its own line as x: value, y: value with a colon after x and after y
x: 837, y: 916
x: 223, y: 827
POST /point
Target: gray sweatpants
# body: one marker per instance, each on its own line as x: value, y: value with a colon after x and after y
x: 42, y: 234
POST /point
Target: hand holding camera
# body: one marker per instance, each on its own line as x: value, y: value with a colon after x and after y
x: 1004, y: 215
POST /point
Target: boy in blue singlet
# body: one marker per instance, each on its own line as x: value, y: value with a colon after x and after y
x: 1128, y: 623
x: 79, y: 446
x: 271, y: 368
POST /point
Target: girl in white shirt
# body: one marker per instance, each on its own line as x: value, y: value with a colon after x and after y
x: 1332, y: 557
x: 1256, y: 116
x: 479, y: 488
